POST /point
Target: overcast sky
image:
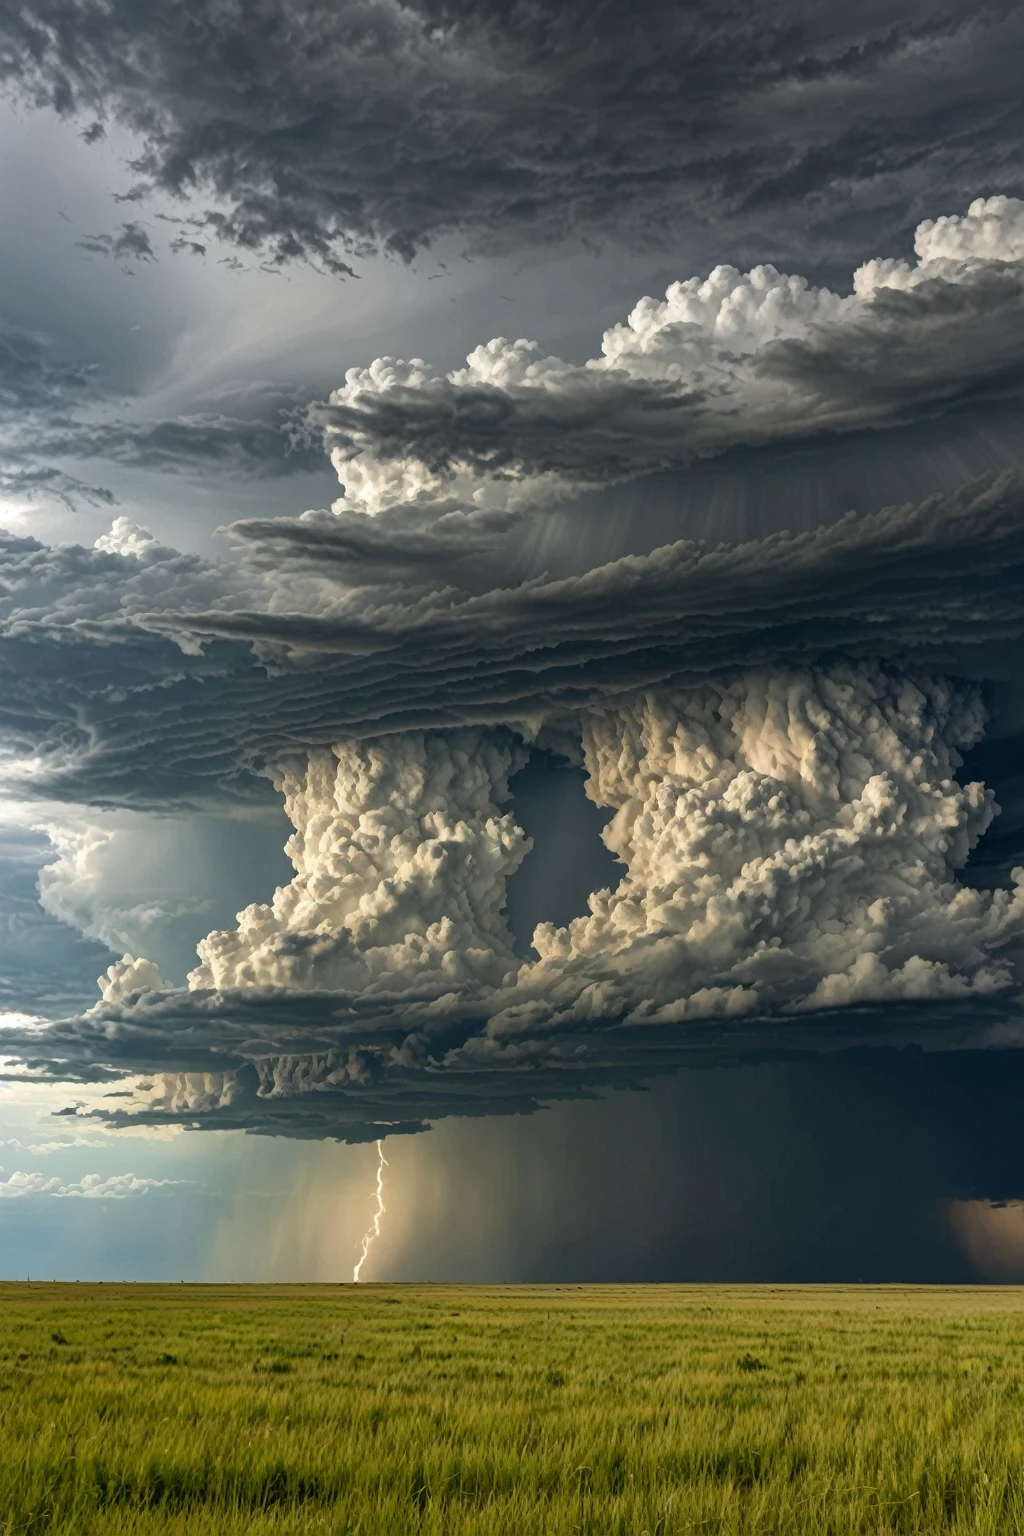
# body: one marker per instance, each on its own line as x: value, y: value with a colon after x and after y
x: 511, y: 622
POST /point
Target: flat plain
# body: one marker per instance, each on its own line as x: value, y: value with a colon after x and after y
x: 555, y: 1409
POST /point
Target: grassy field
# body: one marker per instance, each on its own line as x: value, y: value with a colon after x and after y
x: 553, y: 1410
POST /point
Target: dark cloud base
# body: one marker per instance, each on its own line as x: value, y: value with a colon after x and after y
x: 319, y: 1064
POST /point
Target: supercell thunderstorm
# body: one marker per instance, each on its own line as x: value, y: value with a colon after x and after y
x: 776, y: 726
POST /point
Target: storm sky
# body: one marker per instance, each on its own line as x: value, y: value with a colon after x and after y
x: 511, y: 627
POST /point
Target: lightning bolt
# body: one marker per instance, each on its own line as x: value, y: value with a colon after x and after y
x: 373, y: 1230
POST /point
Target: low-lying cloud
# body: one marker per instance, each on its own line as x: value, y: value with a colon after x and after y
x: 92, y: 1186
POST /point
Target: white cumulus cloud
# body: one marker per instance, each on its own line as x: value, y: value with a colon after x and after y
x: 401, y: 854
x: 92, y: 1186
x: 733, y: 358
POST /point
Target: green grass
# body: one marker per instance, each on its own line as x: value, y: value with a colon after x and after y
x: 211, y: 1411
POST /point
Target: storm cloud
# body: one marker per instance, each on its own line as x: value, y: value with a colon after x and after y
x: 733, y: 360
x: 775, y: 728
x: 791, y: 842
x: 130, y: 675
x: 317, y: 130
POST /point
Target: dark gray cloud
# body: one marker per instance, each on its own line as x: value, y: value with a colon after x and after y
x: 314, y: 129
x: 131, y: 243
x: 35, y: 384
x: 314, y: 1064
x: 51, y: 422
x: 911, y: 579
x: 911, y: 351
x: 382, y: 985
x: 187, y: 445
x: 97, y: 687
x: 31, y: 376
x: 23, y: 480
x: 734, y: 361
x: 415, y: 545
